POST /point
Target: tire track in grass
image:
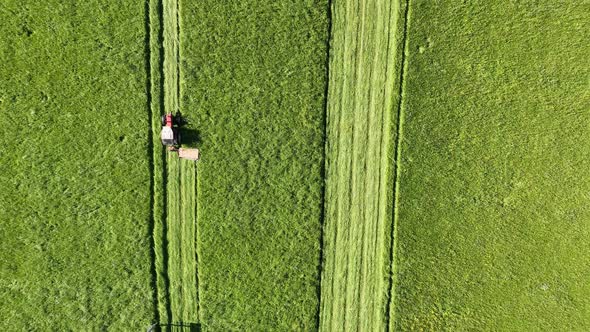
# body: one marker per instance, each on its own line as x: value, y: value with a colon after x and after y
x: 156, y: 103
x: 152, y: 221
x: 364, y: 75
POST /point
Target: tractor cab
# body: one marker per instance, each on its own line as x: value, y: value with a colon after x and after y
x: 171, y: 124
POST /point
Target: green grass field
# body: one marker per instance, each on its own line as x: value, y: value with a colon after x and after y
x: 493, y: 220
x: 75, y: 224
x: 253, y: 80
x: 397, y: 165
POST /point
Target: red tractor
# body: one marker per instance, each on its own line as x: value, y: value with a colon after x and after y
x: 170, y: 136
x: 171, y: 130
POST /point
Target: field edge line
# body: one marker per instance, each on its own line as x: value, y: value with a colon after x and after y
x: 391, y: 307
x: 163, y: 160
x: 321, y: 258
x: 152, y: 184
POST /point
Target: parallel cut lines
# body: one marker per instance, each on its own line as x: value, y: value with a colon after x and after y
x: 174, y: 236
x: 371, y: 180
x: 171, y: 52
x: 363, y: 78
x: 188, y: 256
x: 181, y: 188
x: 181, y: 223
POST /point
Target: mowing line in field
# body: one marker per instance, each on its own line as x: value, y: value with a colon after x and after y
x: 151, y: 157
x: 324, y: 162
x: 196, y: 246
x: 396, y: 180
x: 181, y: 218
x: 158, y: 192
x: 364, y: 72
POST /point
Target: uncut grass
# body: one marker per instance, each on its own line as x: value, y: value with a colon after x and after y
x: 253, y: 81
x: 74, y: 171
x: 364, y: 69
x: 493, y: 215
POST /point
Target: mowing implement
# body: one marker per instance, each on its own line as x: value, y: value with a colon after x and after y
x: 170, y: 136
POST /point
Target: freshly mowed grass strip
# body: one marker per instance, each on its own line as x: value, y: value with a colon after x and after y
x: 180, y: 190
x: 253, y: 81
x: 175, y: 245
x: 188, y: 254
x: 170, y: 46
x: 494, y: 219
x: 182, y: 265
x: 361, y: 119
x: 74, y: 168
x: 182, y: 255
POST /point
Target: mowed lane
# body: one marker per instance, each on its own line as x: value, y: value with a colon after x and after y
x: 181, y: 187
x: 494, y: 219
x: 361, y: 124
x: 181, y: 223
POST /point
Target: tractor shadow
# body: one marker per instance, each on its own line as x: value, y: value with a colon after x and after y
x: 180, y: 326
x: 190, y: 138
